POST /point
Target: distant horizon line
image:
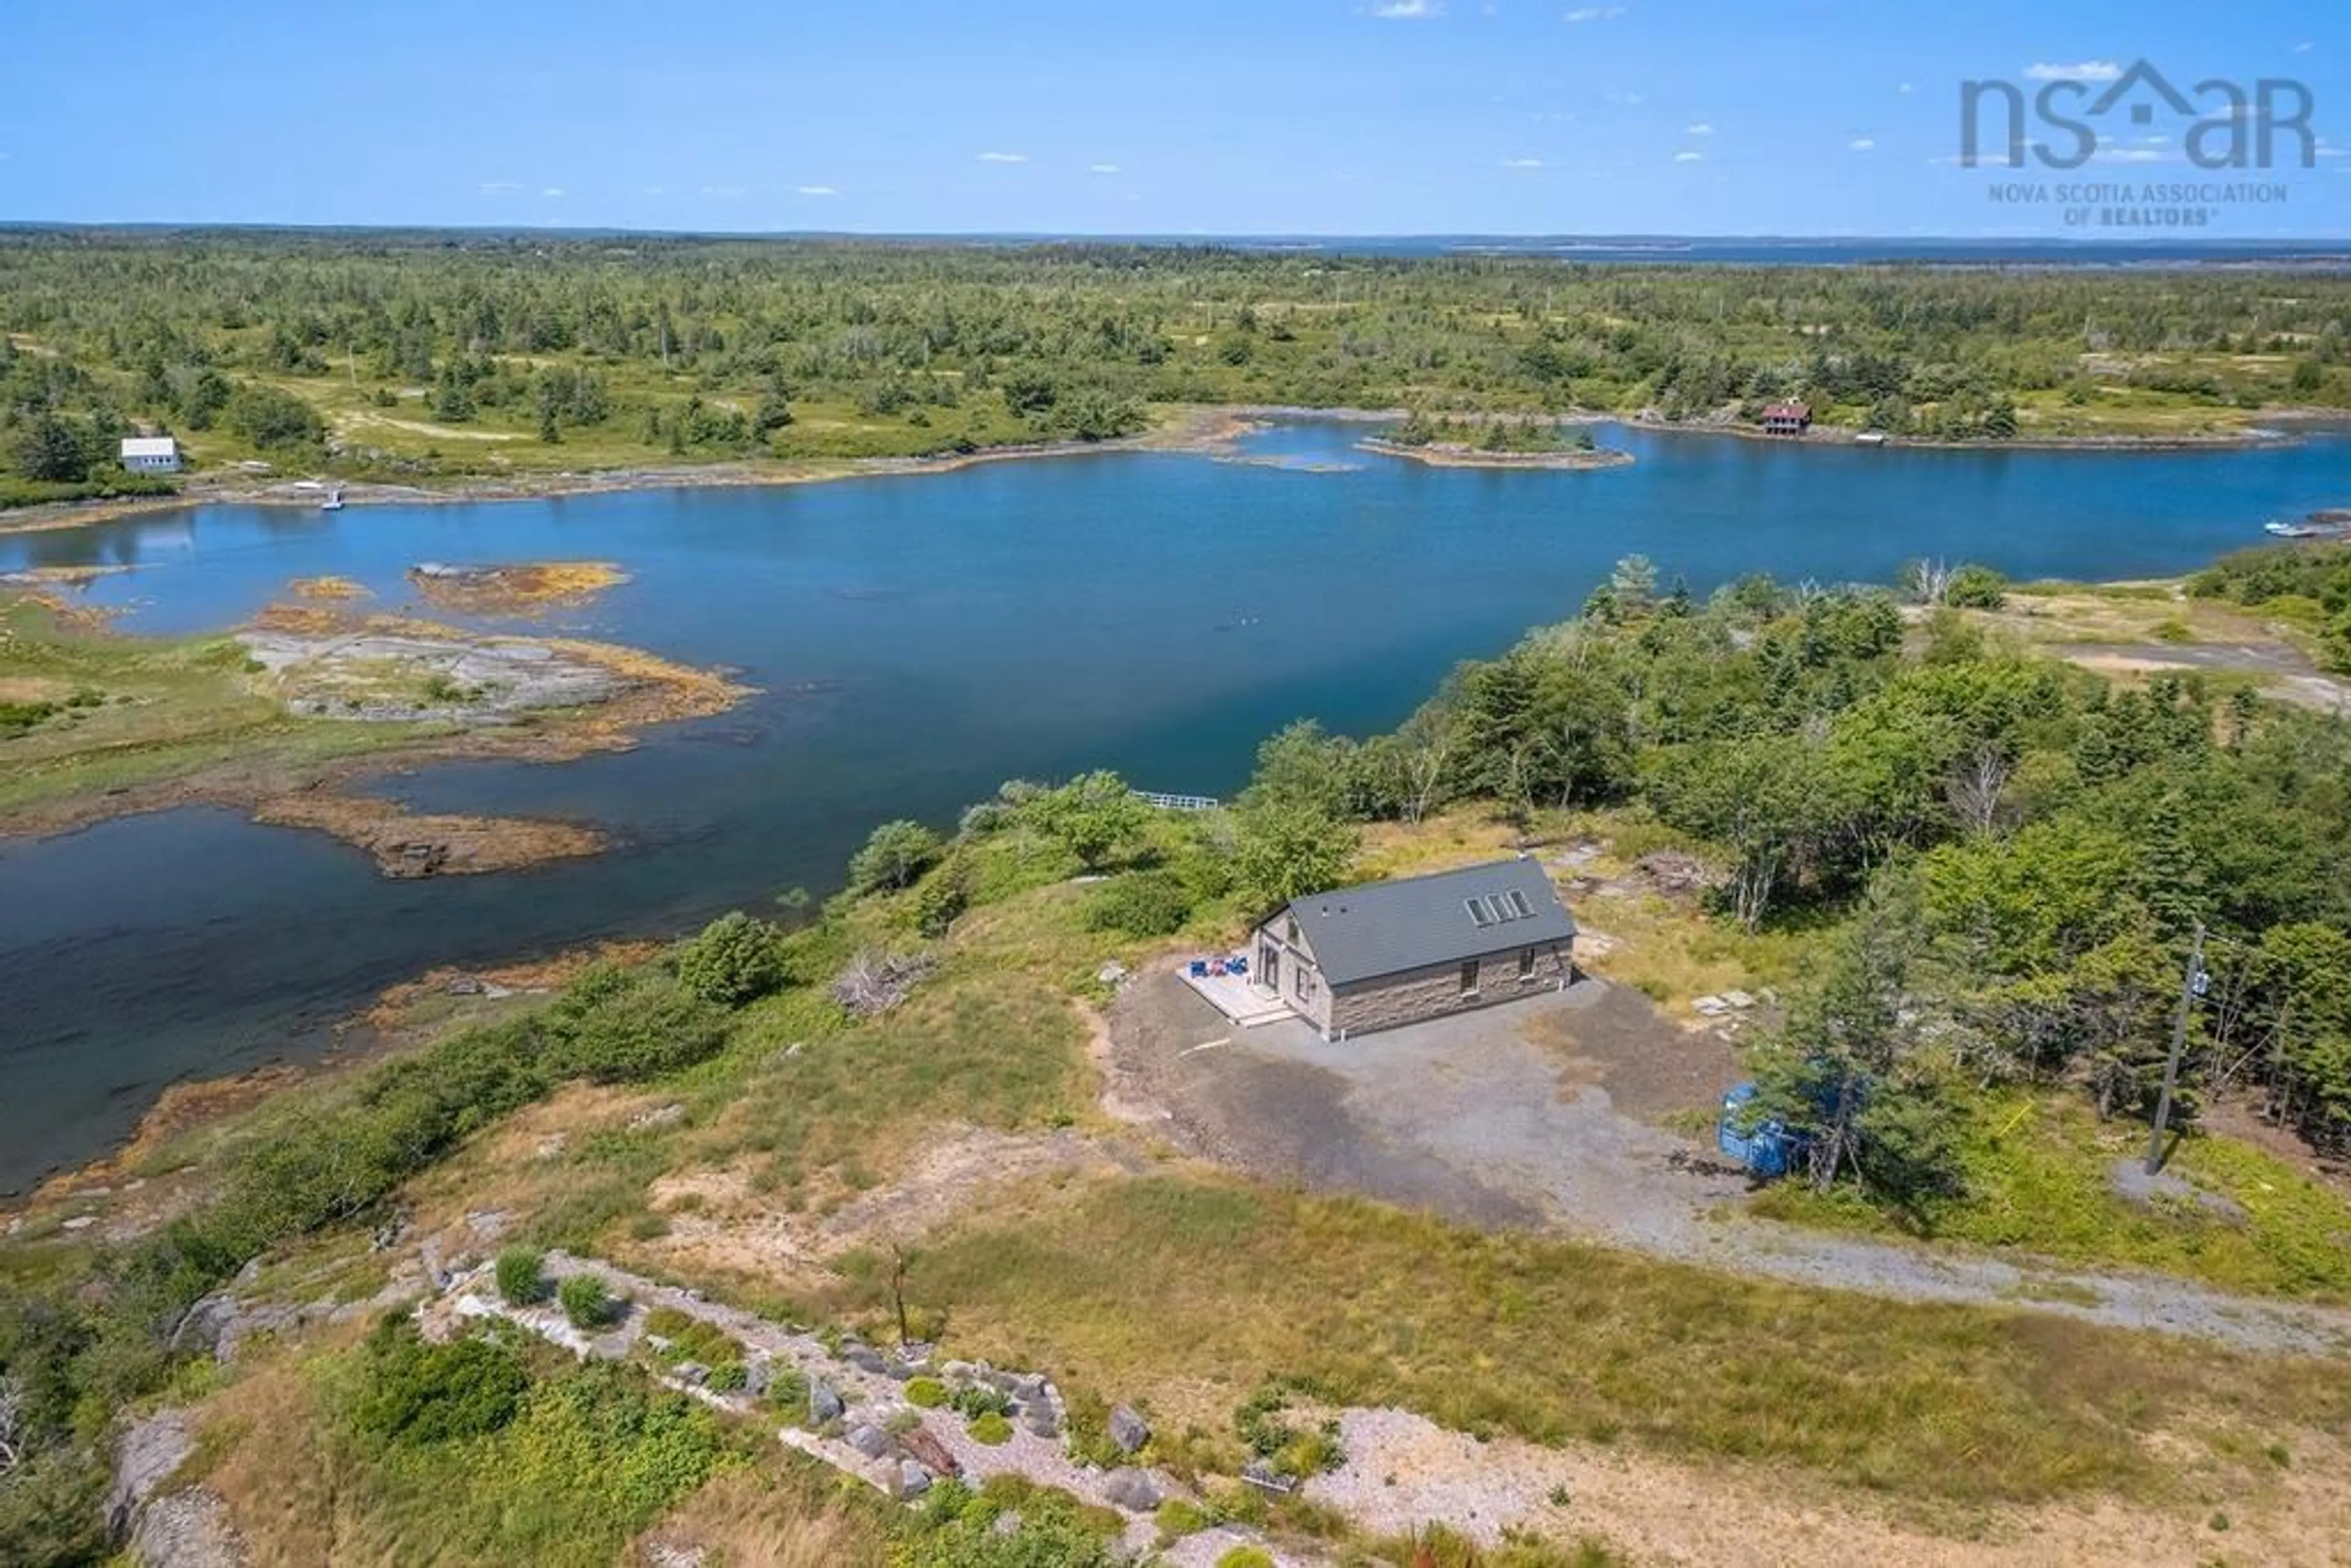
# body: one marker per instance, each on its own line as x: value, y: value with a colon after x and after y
x: 1608, y: 240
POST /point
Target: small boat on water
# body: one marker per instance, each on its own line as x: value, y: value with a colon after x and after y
x: 334, y: 501
x: 2327, y: 523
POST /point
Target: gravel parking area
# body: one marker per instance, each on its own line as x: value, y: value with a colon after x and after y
x: 1545, y: 1114
x: 1506, y: 1116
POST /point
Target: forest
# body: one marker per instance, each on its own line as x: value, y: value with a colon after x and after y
x: 2001, y: 861
x: 406, y: 355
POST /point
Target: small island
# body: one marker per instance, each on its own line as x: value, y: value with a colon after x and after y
x: 278, y: 717
x: 1493, y: 441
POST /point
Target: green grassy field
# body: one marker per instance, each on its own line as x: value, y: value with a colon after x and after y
x: 1191, y: 1289
x: 2038, y: 1174
x: 136, y: 710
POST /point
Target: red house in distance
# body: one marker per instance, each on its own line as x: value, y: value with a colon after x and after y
x: 1788, y: 418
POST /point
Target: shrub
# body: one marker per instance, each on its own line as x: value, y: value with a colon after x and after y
x: 897, y: 853
x: 991, y: 1430
x: 1246, y: 1557
x: 417, y: 1393
x: 942, y: 896
x: 1178, y: 1517
x: 520, y: 1280
x: 1977, y: 588
x: 584, y: 1301
x: 268, y: 417
x: 733, y: 960
x: 647, y: 1026
x: 1141, y: 903
x: 977, y: 1399
x: 788, y: 1391
x: 926, y: 1393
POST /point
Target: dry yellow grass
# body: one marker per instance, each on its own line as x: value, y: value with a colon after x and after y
x: 789, y: 1514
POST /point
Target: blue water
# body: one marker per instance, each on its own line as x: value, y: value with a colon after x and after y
x: 919, y: 640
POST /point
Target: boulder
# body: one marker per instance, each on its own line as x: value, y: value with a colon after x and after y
x: 205, y: 1324
x: 757, y: 1373
x: 1006, y: 1524
x: 869, y: 1440
x: 1030, y: 1387
x: 1134, y: 1490
x: 691, y: 1371
x: 1041, y: 1419
x: 863, y: 1357
x: 912, y: 1480
x: 1128, y: 1429
x: 824, y: 1402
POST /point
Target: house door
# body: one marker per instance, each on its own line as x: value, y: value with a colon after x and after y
x: 1268, y: 965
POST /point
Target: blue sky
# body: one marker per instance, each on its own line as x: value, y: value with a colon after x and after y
x: 1210, y: 116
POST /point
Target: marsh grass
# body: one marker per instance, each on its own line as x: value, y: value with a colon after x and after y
x: 169, y: 706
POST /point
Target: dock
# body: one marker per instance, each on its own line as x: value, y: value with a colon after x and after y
x: 1177, y: 802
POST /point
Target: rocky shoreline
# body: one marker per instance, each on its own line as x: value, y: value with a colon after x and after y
x: 451, y: 693
x: 1448, y: 454
x: 1209, y: 429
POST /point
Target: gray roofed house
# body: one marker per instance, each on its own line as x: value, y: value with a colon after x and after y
x: 1388, y: 952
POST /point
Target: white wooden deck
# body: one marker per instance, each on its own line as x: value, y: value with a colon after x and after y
x: 1239, y: 998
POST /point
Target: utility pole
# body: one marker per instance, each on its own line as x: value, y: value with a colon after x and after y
x: 2192, y: 983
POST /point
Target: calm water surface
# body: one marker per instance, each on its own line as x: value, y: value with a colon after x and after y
x: 918, y: 639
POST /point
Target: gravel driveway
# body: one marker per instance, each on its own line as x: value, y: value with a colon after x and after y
x: 1511, y: 1117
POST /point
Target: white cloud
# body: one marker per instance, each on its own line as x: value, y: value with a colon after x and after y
x: 552, y: 192
x: 1102, y: 168
x: 1689, y: 157
x: 1408, y: 10
x: 2087, y: 71
x: 814, y: 191
x: 1595, y: 14
x: 1627, y: 100
x: 1701, y: 128
x: 2301, y: 48
x: 1905, y: 89
x: 1861, y: 143
x: 1523, y: 163
x: 1004, y: 157
x: 498, y: 187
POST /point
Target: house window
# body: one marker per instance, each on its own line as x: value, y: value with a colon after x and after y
x: 1468, y: 977
x: 1518, y: 910
x: 1303, y: 979
x: 1290, y: 931
x: 1526, y: 963
x: 1479, y: 915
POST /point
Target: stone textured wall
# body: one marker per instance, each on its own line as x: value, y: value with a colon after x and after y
x: 1434, y: 991
x: 1295, y: 960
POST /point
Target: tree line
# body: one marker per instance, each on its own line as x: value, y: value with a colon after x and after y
x: 2012, y: 852
x: 927, y: 346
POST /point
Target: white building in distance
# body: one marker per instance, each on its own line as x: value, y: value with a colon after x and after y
x: 151, y: 454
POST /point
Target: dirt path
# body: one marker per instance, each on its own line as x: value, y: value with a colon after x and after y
x: 1507, y: 1118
